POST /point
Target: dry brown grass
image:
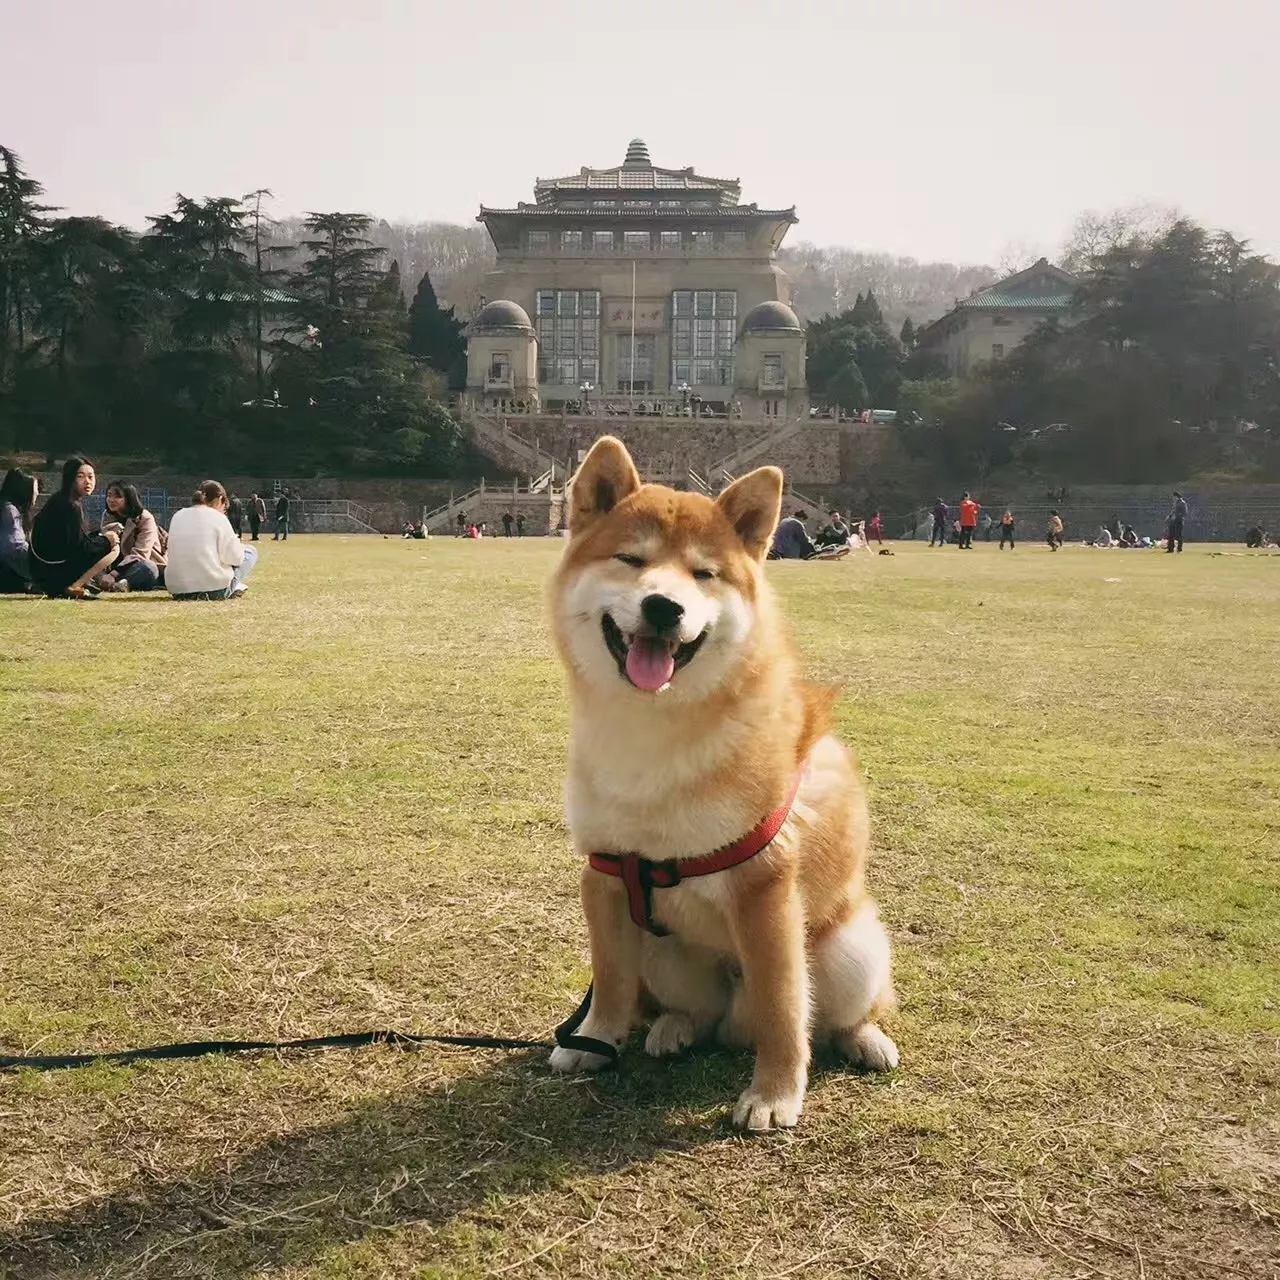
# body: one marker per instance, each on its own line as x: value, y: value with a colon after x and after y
x: 336, y: 804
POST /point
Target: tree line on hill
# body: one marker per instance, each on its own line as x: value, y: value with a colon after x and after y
x: 158, y: 344
x: 1167, y: 365
x: 221, y: 337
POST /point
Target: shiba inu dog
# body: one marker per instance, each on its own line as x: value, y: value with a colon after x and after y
x: 693, y: 735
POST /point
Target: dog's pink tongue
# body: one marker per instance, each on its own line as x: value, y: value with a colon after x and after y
x: 649, y: 664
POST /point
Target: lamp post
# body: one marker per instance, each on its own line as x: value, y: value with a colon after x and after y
x: 683, y: 389
x: 586, y: 394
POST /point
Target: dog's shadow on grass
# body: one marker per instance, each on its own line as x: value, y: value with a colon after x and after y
x: 426, y: 1159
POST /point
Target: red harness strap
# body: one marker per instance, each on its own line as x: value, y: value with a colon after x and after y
x: 641, y: 876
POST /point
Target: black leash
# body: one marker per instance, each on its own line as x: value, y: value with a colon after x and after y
x: 564, y: 1037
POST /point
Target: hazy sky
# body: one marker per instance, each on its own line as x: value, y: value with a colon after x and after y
x: 937, y: 128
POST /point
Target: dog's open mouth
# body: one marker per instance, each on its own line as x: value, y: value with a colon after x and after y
x: 649, y: 662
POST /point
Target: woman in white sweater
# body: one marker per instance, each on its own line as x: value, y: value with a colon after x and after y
x: 206, y: 559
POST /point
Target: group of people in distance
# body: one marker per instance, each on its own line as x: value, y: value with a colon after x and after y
x: 964, y: 527
x: 53, y: 551
x: 512, y: 526
x: 834, y: 541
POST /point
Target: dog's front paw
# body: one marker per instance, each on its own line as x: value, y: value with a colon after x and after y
x: 758, y: 1111
x: 572, y: 1061
x: 672, y: 1033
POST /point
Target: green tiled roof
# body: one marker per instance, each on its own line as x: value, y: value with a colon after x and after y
x: 993, y: 300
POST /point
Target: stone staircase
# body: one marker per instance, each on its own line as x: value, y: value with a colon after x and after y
x: 758, y: 451
x: 493, y: 436
x: 541, y: 505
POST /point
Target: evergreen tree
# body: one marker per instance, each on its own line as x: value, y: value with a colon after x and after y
x: 203, y: 292
x: 436, y: 336
x: 365, y: 400
x: 265, y: 280
x: 21, y: 222
x: 832, y: 369
x: 908, y: 335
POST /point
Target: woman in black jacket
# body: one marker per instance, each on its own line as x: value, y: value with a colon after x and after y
x: 64, y: 554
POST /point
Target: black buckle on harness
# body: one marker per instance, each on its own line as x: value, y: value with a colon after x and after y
x: 655, y: 875
x: 640, y: 877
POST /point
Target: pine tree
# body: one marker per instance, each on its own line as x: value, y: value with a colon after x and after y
x: 908, y: 335
x: 365, y: 404
x: 203, y: 287
x: 436, y: 335
x: 265, y: 280
x: 21, y: 222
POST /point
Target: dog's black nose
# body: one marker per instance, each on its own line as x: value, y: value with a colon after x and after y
x: 661, y: 612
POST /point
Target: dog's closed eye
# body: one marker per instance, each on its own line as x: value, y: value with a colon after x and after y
x: 635, y: 562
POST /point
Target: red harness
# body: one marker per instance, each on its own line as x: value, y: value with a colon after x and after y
x: 641, y: 876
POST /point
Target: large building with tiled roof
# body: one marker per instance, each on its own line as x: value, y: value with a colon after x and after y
x: 638, y: 281
x: 988, y: 324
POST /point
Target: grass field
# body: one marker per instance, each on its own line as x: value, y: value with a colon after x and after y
x: 335, y: 805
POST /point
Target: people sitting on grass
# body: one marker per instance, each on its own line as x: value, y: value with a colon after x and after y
x: 835, y: 533
x: 1104, y: 538
x: 1255, y: 537
x: 65, y: 556
x: 791, y: 539
x: 206, y: 559
x: 140, y: 559
x: 18, y: 494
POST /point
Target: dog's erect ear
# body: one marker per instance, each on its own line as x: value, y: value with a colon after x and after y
x: 607, y: 475
x: 752, y: 505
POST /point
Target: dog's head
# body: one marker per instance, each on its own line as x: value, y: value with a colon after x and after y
x: 659, y: 592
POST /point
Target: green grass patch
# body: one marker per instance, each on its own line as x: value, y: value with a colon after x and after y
x: 336, y: 804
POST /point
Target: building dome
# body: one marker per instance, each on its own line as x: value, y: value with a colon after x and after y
x: 502, y: 315
x: 771, y: 315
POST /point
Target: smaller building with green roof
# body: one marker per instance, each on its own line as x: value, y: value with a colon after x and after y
x: 988, y: 324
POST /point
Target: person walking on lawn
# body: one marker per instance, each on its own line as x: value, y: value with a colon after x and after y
x: 968, y: 521
x: 282, y: 517
x: 1054, y: 533
x: 1177, y: 519
x: 257, y: 514
x: 939, y: 523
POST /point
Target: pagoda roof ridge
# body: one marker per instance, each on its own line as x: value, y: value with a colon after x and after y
x: 716, y: 211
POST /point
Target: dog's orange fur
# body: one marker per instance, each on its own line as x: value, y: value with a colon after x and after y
x: 783, y: 945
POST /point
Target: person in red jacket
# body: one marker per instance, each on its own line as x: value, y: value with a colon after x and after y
x: 968, y: 521
x: 875, y: 529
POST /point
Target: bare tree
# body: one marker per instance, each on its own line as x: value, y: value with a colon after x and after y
x: 1094, y: 232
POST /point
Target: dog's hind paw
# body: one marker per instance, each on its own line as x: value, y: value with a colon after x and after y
x: 572, y: 1061
x: 672, y: 1033
x: 868, y: 1047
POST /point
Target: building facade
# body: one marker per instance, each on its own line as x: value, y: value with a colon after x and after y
x: 637, y: 282
x: 988, y: 324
